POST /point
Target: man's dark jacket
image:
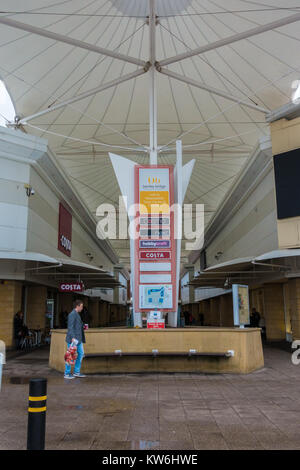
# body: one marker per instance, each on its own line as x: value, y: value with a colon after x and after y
x: 75, y: 328
x: 18, y: 326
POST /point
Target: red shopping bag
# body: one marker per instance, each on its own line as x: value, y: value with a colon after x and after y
x: 71, y: 354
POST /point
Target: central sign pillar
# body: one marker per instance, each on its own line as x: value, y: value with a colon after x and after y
x: 155, y: 246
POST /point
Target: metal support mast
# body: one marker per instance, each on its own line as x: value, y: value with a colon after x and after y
x: 152, y: 85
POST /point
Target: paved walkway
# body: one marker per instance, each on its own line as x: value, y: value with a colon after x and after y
x: 256, y: 411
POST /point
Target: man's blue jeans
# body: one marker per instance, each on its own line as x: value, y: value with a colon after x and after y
x: 80, y: 355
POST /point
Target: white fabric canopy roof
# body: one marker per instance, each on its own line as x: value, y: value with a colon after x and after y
x: 40, y: 73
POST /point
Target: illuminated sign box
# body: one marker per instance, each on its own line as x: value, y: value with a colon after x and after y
x: 71, y: 287
x: 155, y: 267
x: 157, y: 255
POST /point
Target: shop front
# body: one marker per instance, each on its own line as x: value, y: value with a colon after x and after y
x: 49, y: 252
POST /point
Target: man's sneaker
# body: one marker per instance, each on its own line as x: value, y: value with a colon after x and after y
x: 68, y: 376
x: 77, y: 374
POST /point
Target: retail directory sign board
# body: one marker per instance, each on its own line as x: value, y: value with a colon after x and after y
x: 155, y: 247
x: 241, y: 310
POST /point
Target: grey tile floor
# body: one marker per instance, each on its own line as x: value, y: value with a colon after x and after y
x: 158, y: 411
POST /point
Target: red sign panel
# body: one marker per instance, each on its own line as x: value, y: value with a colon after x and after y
x: 155, y: 324
x: 64, y: 231
x: 71, y: 287
x: 155, y: 255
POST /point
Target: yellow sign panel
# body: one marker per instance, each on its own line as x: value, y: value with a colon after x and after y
x: 149, y: 200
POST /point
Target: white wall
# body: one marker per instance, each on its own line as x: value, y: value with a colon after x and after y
x: 43, y: 227
x: 13, y: 205
x: 248, y: 226
x: 31, y: 223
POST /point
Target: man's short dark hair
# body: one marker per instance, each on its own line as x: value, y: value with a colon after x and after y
x: 77, y: 303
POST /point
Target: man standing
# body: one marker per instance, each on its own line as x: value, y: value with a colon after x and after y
x: 75, y: 332
x: 18, y: 328
x: 254, y: 318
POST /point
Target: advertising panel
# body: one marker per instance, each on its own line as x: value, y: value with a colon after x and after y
x: 241, y: 310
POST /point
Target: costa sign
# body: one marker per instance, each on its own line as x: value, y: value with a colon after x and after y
x: 155, y: 254
x: 65, y: 243
x: 64, y: 230
x: 71, y: 287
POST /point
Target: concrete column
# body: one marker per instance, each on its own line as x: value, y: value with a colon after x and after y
x: 117, y: 270
x: 205, y: 305
x: 36, y: 307
x: 101, y: 314
x: 215, y: 311
x: 274, y: 312
x: 10, y: 300
x: 65, y: 302
x: 106, y: 314
x: 191, y: 270
x: 195, y: 312
x: 294, y: 306
x: 226, y: 309
x: 94, y: 312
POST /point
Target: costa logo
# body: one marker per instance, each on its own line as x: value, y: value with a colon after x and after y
x: 65, y: 243
x: 155, y: 255
x: 71, y: 287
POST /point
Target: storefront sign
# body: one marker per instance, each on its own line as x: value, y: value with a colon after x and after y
x: 157, y: 278
x: 154, y: 188
x: 153, y: 255
x: 64, y: 231
x: 155, y: 244
x: 155, y: 266
x: 71, y: 287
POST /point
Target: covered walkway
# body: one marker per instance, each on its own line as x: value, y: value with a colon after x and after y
x: 255, y: 411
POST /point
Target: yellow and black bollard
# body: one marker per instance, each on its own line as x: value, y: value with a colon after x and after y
x: 37, y: 414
